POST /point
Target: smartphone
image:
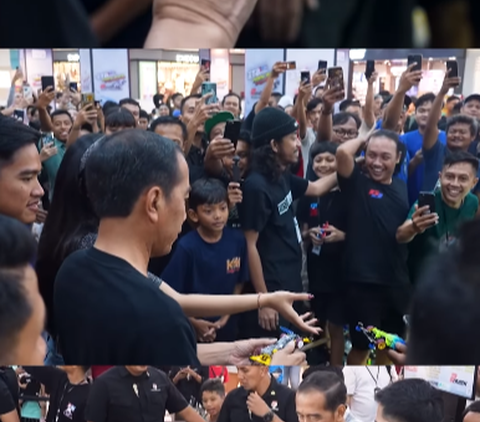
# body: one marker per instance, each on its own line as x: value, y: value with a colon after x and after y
x: 335, y: 75
x: 205, y: 64
x: 417, y: 59
x: 232, y: 131
x: 291, y: 65
x: 47, y: 81
x: 370, y: 68
x: 88, y: 98
x: 427, y: 198
x: 452, y: 66
x: 322, y: 65
x: 27, y: 91
x: 208, y: 87
x: 73, y: 86
x: 236, y: 177
x: 19, y: 115
x: 305, y: 77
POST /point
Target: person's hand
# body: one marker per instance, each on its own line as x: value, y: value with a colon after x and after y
x: 372, y: 79
x: 319, y: 77
x: 206, y: 330
x: 315, y: 236
x: 222, y: 322
x: 268, y: 319
x: 256, y: 405
x: 45, y: 98
x: 88, y: 114
x: 282, y: 303
x: 304, y: 92
x: 449, y: 83
x: 48, y: 151
x: 399, y: 355
x: 223, y: 20
x: 18, y: 76
x: 409, y: 78
x: 180, y: 375
x: 202, y: 76
x: 289, y: 356
x: 422, y: 219
x: 41, y: 216
x: 277, y: 69
x: 333, y: 234
x: 204, y: 111
x: 280, y: 21
x: 331, y: 96
x: 244, y: 349
x: 219, y: 148
x: 235, y: 195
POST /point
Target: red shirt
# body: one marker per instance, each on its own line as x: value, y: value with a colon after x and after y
x: 99, y: 370
x: 218, y: 372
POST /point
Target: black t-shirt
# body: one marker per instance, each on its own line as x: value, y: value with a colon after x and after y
x: 375, y: 211
x: 119, y: 396
x: 278, y: 397
x: 107, y: 313
x: 267, y: 209
x: 190, y: 387
x: 324, y: 269
x: 67, y: 401
x: 8, y: 391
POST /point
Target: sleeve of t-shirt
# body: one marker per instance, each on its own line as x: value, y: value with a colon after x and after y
x: 255, y: 209
x: 290, y: 409
x: 7, y: 404
x: 348, y: 184
x: 224, y: 415
x: 433, y: 161
x: 177, y: 272
x: 298, y: 186
x: 98, y: 402
x: 175, y: 401
x: 350, y: 382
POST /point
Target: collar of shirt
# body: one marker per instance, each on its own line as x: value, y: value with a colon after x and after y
x: 125, y: 373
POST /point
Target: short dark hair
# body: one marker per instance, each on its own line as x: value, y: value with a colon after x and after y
x: 13, y: 137
x: 213, y: 385
x: 325, y: 368
x: 322, y: 148
x: 169, y: 120
x: 424, y: 99
x: 276, y: 95
x: 120, y: 117
x: 207, y: 192
x: 461, y: 157
x: 390, y: 134
x: 61, y: 113
x: 452, y: 98
x: 123, y: 165
x: 233, y: 94
x: 343, y: 117
x: 313, y: 103
x: 144, y: 115
x: 329, y: 384
x: 349, y: 102
x: 130, y: 101
x: 462, y: 119
x: 411, y: 400
x: 185, y: 99
x: 245, y: 136
x: 472, y: 408
x: 158, y: 99
x: 108, y: 106
x: 16, y: 253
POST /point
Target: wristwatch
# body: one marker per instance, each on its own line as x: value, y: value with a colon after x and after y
x: 269, y: 416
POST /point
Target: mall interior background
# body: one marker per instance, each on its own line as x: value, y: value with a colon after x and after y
x: 140, y: 74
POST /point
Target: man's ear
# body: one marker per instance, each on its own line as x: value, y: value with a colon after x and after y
x: 192, y: 215
x: 274, y: 145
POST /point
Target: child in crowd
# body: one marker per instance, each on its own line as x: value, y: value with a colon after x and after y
x: 212, y: 394
x: 323, y: 223
x: 211, y: 259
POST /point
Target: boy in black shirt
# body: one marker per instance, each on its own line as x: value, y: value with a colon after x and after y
x: 376, y: 265
x: 323, y: 222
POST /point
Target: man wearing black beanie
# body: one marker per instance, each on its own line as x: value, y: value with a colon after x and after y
x: 267, y: 217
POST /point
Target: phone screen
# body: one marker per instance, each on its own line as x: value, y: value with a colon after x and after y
x: 74, y: 86
x: 370, y: 69
x: 47, y: 81
x: 232, y: 131
x: 305, y: 77
x: 335, y: 74
x: 452, y: 67
x: 206, y: 64
x: 88, y: 98
x: 291, y: 65
x: 210, y: 87
x: 322, y: 65
x: 417, y: 59
x: 427, y: 199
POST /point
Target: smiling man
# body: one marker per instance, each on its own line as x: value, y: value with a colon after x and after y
x: 19, y: 169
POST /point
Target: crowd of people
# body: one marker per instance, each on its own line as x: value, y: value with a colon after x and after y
x: 156, y: 235
x: 195, y: 394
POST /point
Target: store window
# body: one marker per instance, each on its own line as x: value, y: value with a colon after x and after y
x: 67, y: 70
x: 175, y: 77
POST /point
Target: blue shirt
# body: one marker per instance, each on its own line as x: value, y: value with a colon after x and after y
x: 208, y: 268
x: 414, y: 142
x: 433, y: 160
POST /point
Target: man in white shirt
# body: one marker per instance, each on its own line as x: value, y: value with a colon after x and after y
x: 362, y: 383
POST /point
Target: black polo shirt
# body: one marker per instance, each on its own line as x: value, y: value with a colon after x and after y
x: 8, y: 391
x: 278, y: 397
x: 118, y: 396
x: 196, y: 161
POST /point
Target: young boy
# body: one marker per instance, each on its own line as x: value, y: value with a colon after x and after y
x: 212, y: 394
x: 323, y: 223
x: 211, y: 259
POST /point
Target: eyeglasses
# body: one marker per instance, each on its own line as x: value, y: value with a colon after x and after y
x: 346, y: 133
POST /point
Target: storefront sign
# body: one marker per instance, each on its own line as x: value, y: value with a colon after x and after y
x: 110, y: 74
x: 38, y: 63
x: 187, y: 58
x: 73, y: 57
x: 258, y: 65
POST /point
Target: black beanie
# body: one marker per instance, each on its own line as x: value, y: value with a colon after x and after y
x: 271, y: 123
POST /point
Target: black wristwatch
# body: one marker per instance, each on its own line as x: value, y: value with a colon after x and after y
x: 269, y: 416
